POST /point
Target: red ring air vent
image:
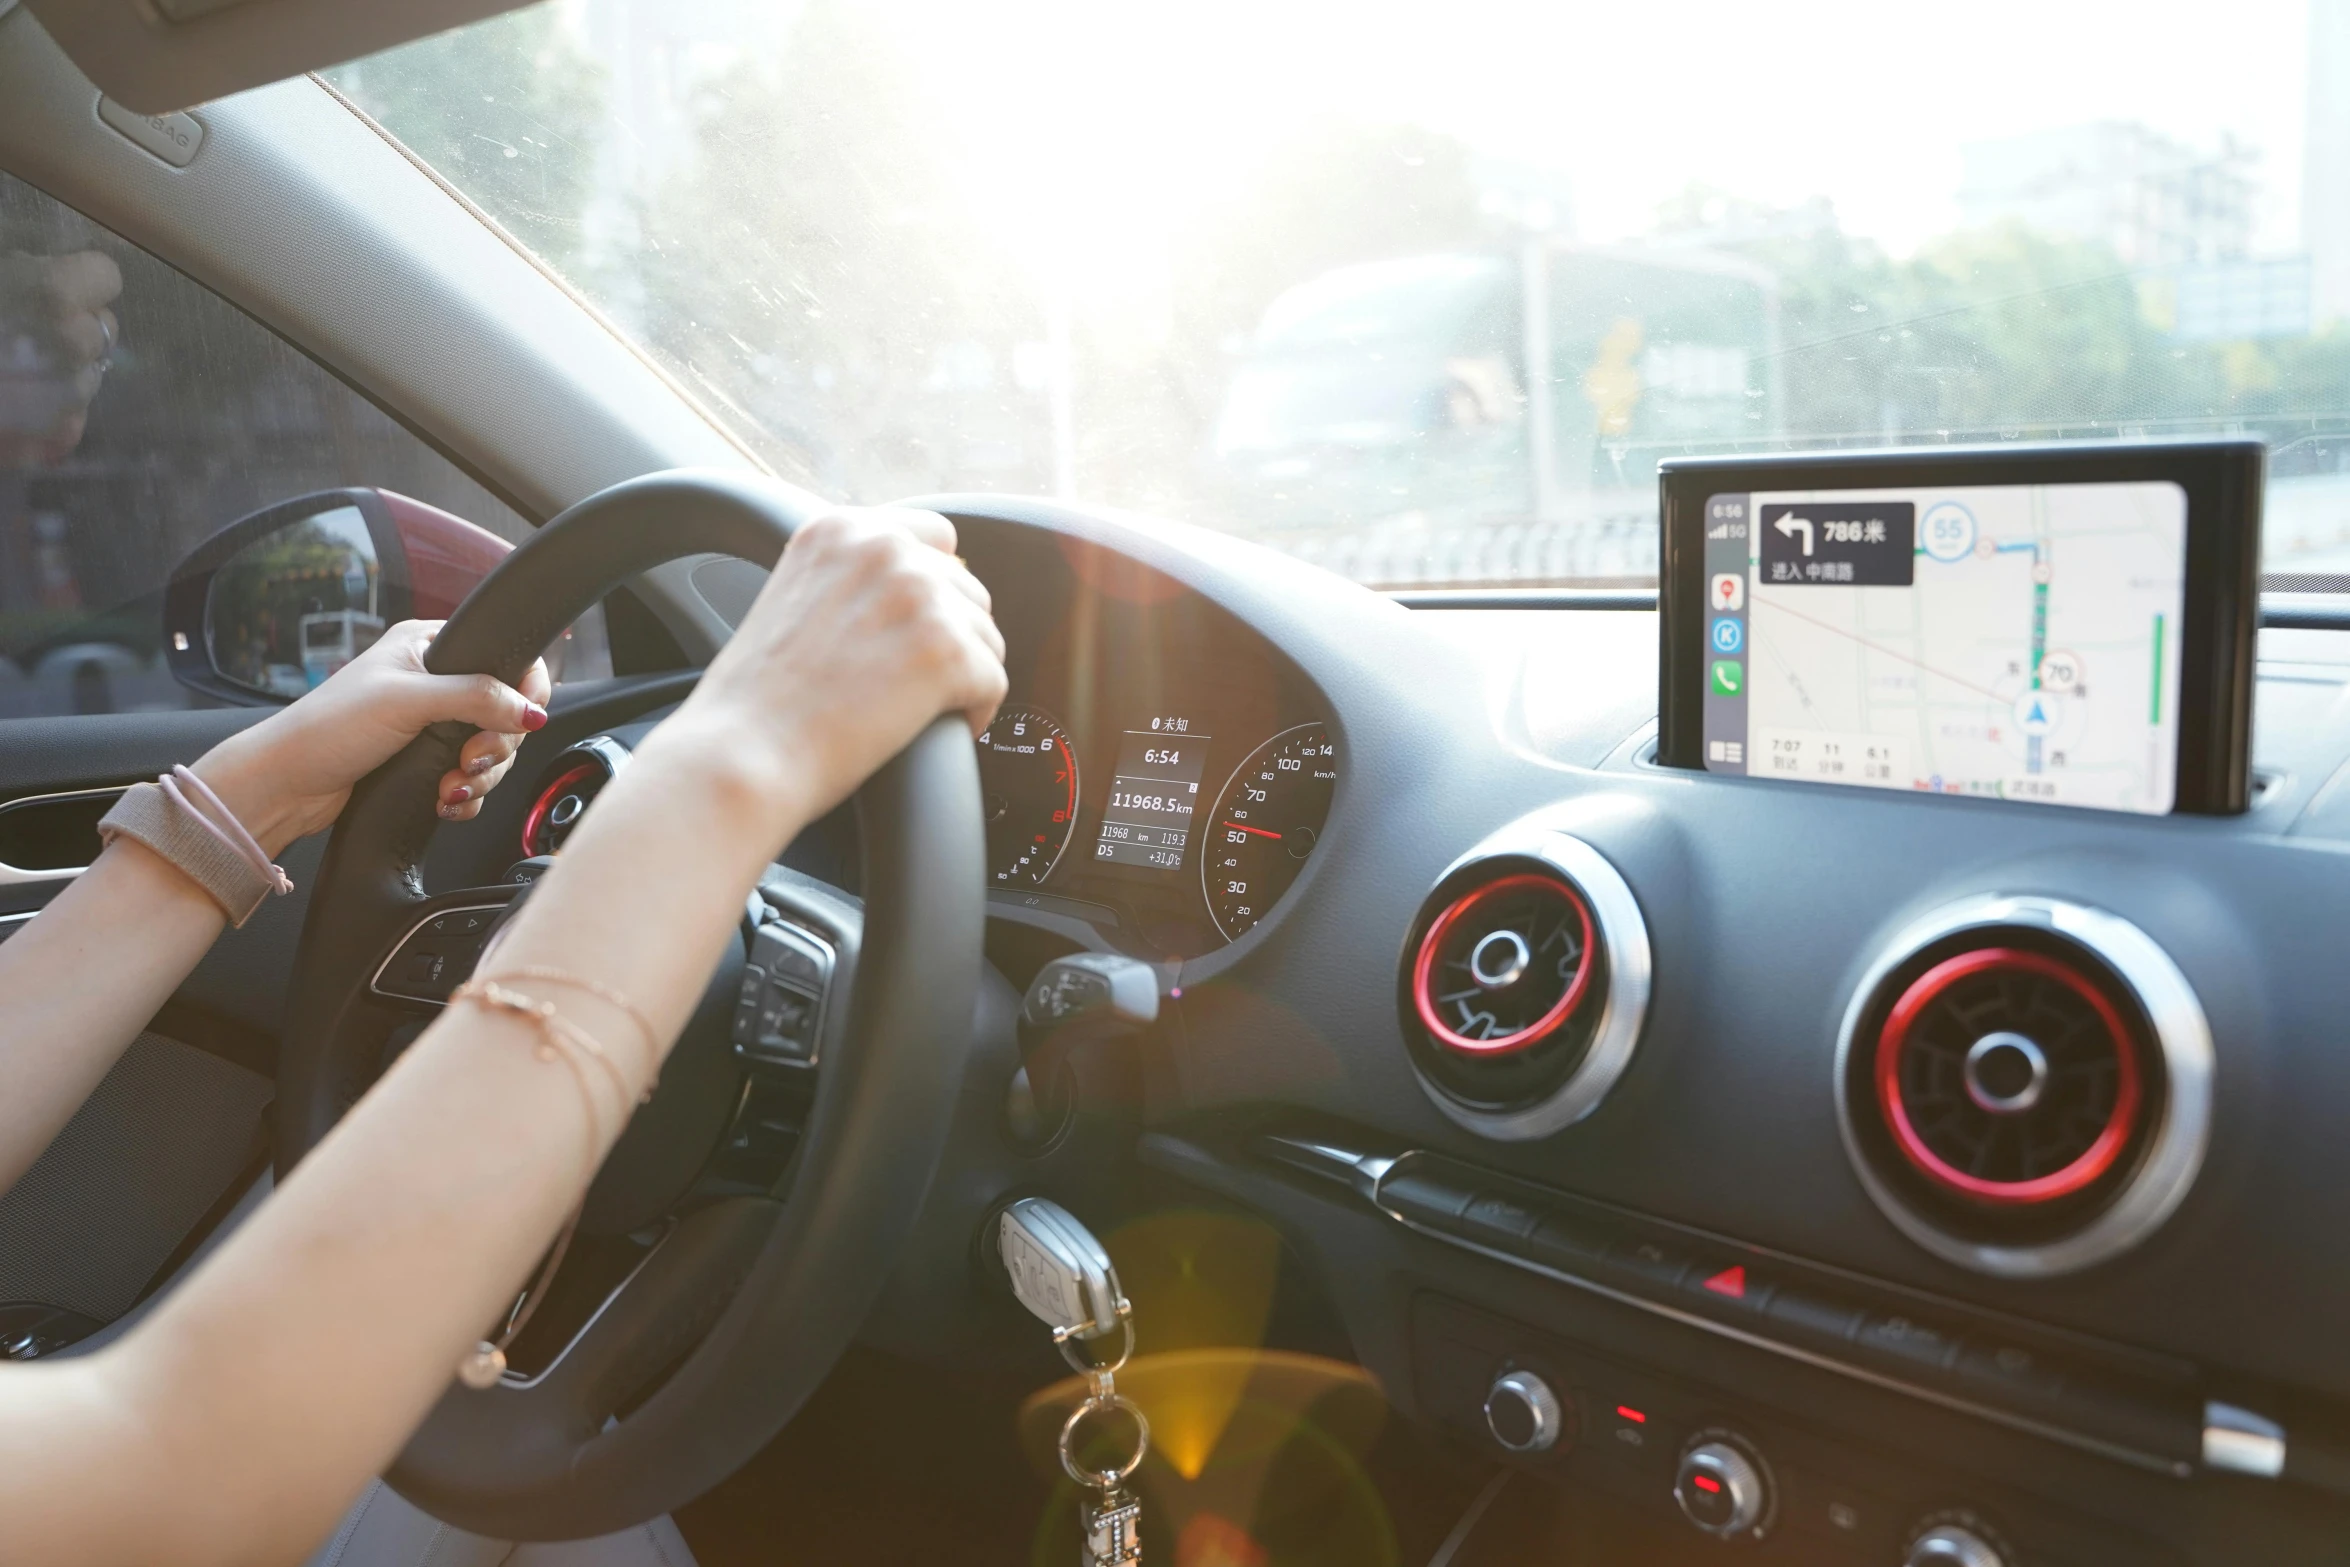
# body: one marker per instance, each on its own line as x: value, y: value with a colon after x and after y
x: 541, y: 836
x: 2007, y: 1077
x: 1541, y: 929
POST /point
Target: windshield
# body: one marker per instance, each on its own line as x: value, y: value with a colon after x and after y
x: 1424, y: 295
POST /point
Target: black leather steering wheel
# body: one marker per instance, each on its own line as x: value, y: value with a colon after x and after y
x: 748, y: 1300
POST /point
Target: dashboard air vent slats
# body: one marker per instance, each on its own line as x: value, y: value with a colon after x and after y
x: 2007, y: 1077
x: 1524, y: 982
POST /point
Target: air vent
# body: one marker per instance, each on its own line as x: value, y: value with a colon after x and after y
x: 2025, y: 1084
x: 2006, y: 1076
x: 571, y: 783
x: 1504, y: 966
x: 1524, y: 982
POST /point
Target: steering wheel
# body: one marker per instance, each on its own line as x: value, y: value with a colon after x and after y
x: 747, y: 1300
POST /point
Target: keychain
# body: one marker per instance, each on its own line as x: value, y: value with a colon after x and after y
x: 1060, y: 1273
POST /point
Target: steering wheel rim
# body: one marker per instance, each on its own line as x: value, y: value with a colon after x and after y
x: 749, y: 1301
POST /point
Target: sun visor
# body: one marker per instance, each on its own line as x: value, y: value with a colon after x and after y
x: 155, y: 56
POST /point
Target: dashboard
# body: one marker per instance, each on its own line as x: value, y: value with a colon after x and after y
x: 1558, y: 1067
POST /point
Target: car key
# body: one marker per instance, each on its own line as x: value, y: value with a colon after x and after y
x: 1062, y: 1275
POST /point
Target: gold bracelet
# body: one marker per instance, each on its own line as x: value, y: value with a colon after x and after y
x: 559, y: 1037
x: 556, y: 1032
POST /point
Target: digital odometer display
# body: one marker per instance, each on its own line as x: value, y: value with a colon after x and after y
x: 1153, y: 795
x: 1028, y: 791
x: 1265, y: 824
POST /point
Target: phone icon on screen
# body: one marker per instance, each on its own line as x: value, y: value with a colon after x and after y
x: 1729, y: 677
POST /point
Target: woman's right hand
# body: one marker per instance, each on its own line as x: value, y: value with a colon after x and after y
x: 868, y: 629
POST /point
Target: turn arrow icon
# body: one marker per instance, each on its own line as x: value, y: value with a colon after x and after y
x: 1789, y: 525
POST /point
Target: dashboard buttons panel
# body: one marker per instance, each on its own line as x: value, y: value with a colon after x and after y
x: 2112, y: 1400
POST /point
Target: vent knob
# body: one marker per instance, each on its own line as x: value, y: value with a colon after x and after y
x: 1723, y: 1488
x: 1953, y: 1545
x: 1523, y: 1413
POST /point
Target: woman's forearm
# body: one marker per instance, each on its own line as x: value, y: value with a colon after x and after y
x: 82, y: 979
x: 411, y: 1226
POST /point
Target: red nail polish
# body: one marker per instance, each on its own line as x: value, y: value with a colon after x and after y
x: 534, y: 718
x: 459, y: 795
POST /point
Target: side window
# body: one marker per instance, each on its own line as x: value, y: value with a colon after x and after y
x: 139, y: 414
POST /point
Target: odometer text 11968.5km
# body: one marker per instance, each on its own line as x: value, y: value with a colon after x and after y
x: 1028, y: 790
x: 1265, y: 824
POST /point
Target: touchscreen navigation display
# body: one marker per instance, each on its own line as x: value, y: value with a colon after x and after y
x: 2020, y: 641
x: 2006, y: 640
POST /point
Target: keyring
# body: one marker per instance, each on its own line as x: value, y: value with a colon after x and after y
x: 1084, y: 1365
x: 1104, y: 1479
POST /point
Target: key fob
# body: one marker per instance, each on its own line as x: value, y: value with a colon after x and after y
x: 1058, y: 1270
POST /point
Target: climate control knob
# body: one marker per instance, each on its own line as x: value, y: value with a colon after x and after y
x: 1724, y: 1488
x: 1953, y: 1545
x: 1523, y: 1413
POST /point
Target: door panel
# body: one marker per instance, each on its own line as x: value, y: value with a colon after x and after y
x: 139, y: 414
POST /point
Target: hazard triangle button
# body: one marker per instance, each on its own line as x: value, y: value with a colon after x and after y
x: 1731, y: 1281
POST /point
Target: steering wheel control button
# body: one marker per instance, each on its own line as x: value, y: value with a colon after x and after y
x: 1724, y: 1488
x: 779, y: 1013
x: 1523, y: 1414
x: 437, y: 955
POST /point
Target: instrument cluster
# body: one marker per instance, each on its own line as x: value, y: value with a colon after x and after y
x: 1158, y: 770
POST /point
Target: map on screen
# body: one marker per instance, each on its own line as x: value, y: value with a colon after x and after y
x: 2013, y: 641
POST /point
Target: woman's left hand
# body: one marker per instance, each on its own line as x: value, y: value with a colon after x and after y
x: 289, y: 775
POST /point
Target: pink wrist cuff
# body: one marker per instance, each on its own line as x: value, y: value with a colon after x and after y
x: 182, y: 820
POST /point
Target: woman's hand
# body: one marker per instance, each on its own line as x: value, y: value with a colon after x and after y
x: 868, y: 629
x: 289, y: 775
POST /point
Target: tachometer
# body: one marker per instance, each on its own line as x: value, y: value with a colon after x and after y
x: 1265, y: 824
x: 1028, y: 786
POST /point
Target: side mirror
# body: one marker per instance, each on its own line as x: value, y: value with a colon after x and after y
x: 275, y: 602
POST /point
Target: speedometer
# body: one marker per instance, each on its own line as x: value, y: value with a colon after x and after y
x: 1028, y: 789
x: 1265, y: 824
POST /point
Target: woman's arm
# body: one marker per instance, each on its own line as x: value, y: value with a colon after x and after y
x: 239, y: 1421
x: 79, y: 981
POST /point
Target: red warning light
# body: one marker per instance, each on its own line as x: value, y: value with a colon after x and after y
x: 1707, y: 1484
x: 1631, y: 1414
x: 1731, y: 1281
